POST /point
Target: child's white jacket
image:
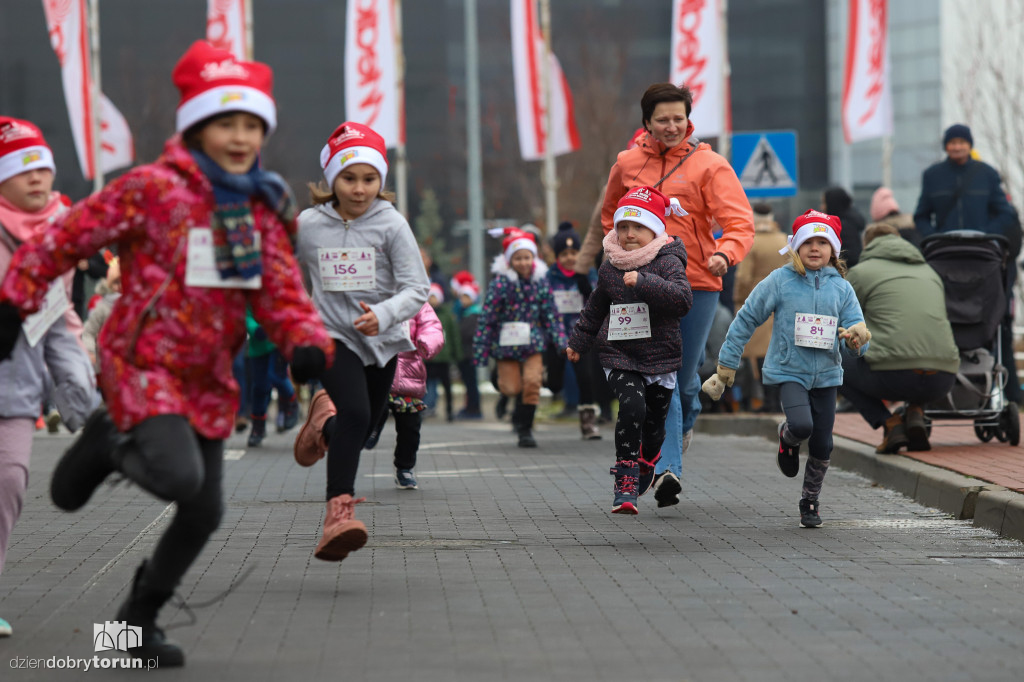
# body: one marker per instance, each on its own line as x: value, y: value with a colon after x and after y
x: 786, y: 293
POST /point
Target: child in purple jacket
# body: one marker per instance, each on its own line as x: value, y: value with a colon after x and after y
x: 633, y: 317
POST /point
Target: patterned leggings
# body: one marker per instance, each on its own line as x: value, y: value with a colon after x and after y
x: 642, y: 411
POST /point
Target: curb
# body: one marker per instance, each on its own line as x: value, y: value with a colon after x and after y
x: 988, y: 505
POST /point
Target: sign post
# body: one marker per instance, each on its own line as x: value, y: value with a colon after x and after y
x: 766, y: 162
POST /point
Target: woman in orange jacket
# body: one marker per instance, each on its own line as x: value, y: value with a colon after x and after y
x: 709, y: 191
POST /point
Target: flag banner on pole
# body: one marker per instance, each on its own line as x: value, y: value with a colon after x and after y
x: 371, y: 86
x: 67, y: 23
x: 697, y: 61
x: 225, y: 26
x: 867, y: 83
x: 527, y: 51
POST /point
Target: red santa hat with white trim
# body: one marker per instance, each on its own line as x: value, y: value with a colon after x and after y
x: 464, y: 284
x: 353, y: 143
x: 647, y: 206
x: 22, y: 148
x: 514, y: 240
x: 815, y: 224
x: 213, y: 82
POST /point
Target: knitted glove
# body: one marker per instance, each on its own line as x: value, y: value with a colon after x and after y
x: 856, y: 336
x: 10, y: 328
x: 719, y: 381
x: 308, y: 362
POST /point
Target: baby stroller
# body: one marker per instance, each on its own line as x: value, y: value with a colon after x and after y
x: 972, y: 266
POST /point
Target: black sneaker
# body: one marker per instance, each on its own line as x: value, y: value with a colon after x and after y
x: 789, y: 456
x: 809, y: 513
x: 86, y: 463
x: 372, y: 440
x: 666, y: 489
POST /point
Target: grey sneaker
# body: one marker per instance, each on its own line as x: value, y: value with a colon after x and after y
x: 404, y: 480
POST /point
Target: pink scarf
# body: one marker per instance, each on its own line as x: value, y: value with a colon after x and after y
x: 631, y: 260
x: 23, y: 226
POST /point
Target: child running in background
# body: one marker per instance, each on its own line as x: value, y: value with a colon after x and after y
x: 269, y: 372
x: 107, y: 292
x: 571, y: 292
x: 47, y: 341
x: 201, y: 233
x: 467, y: 313
x: 406, y: 397
x: 368, y: 278
x: 633, y: 317
x: 519, y: 319
x: 814, y: 306
x: 439, y: 368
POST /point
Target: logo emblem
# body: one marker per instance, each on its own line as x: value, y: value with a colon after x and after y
x: 115, y: 636
x: 631, y: 213
x: 30, y: 157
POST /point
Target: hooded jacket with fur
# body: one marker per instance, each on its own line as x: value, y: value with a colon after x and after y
x: 510, y: 298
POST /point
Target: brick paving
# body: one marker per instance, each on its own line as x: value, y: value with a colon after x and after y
x: 506, y: 565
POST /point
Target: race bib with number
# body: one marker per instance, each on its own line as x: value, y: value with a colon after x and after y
x: 201, y: 266
x: 568, y: 302
x: 53, y: 308
x: 347, y: 269
x: 629, y: 321
x: 514, y: 334
x: 816, y: 331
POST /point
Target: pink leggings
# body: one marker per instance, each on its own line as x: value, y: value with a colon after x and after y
x: 15, y: 447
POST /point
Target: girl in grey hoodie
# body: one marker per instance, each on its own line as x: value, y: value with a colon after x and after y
x: 363, y: 264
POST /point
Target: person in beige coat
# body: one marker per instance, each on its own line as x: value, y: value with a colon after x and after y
x: 762, y: 259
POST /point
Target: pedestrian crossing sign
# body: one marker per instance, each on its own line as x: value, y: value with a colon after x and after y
x: 765, y: 162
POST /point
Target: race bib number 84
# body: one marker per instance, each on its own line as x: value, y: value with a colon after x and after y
x: 816, y: 331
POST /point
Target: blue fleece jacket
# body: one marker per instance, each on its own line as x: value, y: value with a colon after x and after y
x: 785, y: 292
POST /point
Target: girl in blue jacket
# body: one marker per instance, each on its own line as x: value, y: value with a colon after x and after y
x: 814, y: 307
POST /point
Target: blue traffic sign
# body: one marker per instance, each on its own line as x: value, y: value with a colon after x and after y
x: 765, y: 162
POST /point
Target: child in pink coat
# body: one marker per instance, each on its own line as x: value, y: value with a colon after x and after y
x: 407, y: 391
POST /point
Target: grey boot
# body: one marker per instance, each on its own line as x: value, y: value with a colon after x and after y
x: 588, y: 422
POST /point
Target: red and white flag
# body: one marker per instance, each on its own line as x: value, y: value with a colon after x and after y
x: 68, y: 25
x: 867, y: 84
x: 698, y: 61
x: 527, y: 53
x: 225, y: 27
x: 372, y: 96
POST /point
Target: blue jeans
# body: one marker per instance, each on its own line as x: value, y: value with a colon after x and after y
x: 268, y: 372
x: 685, y: 405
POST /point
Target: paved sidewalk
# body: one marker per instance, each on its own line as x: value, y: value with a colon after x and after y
x: 506, y: 565
x: 960, y: 474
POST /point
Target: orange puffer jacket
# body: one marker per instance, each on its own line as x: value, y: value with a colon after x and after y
x: 707, y: 188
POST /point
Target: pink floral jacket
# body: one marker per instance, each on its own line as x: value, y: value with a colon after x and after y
x: 167, y: 347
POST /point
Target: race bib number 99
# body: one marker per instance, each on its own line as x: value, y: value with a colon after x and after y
x: 629, y: 321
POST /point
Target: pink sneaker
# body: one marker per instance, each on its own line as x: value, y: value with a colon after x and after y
x: 310, y: 444
x: 343, y: 533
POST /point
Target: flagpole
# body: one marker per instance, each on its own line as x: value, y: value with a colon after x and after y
x: 248, y: 30
x: 474, y: 172
x: 548, y: 180
x: 402, y: 165
x: 887, y: 161
x: 725, y: 144
x: 94, y: 93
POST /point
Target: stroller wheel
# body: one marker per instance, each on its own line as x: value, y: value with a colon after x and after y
x: 984, y: 433
x: 1009, y: 425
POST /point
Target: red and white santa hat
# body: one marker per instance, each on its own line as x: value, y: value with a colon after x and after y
x: 464, y: 284
x: 647, y: 206
x: 815, y: 224
x: 514, y: 240
x: 212, y: 82
x: 353, y: 143
x: 437, y: 291
x: 22, y: 148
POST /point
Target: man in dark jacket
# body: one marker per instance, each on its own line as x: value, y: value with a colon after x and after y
x: 959, y: 193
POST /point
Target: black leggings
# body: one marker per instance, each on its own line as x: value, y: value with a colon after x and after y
x: 585, y: 370
x: 642, y: 412
x: 360, y: 394
x: 810, y: 415
x: 167, y: 458
x: 441, y: 371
